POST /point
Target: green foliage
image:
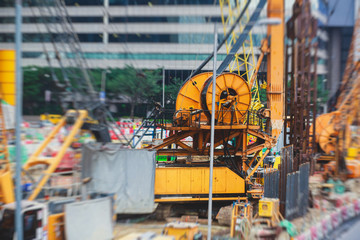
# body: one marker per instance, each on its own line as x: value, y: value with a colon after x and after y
x: 263, y: 96
x: 36, y: 81
x: 138, y: 85
x: 172, y: 89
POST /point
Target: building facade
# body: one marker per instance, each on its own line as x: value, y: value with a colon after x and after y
x: 146, y: 34
x: 176, y: 35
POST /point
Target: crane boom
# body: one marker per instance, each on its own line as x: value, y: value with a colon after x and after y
x: 275, y: 67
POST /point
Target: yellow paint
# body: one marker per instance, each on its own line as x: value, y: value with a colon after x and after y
x: 53, y: 118
x: 181, y: 231
x: 56, y: 226
x: 6, y: 187
x: 275, y: 69
x: 353, y: 152
x: 159, y: 200
x: 268, y: 207
x: 195, y: 181
x: 7, y: 76
x: 277, y: 162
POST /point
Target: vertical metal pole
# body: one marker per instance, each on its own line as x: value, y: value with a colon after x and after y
x: 103, y: 79
x: 163, y: 97
x: 163, y: 90
x: 102, y: 94
x: 18, y: 119
x: 106, y: 22
x: 212, y: 136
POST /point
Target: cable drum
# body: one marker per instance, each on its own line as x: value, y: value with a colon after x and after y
x: 232, y: 99
x: 188, y: 98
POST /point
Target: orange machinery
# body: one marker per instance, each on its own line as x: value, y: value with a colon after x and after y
x: 337, y: 132
x: 234, y: 122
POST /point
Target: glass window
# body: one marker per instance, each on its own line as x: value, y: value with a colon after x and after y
x: 90, y: 37
x: 33, y: 55
x: 7, y: 3
x: 162, y: 2
x: 6, y: 20
x: 34, y: 37
x: 139, y: 37
x: 6, y: 37
x: 143, y: 19
x: 136, y: 56
x: 164, y: 38
x: 182, y: 19
x: 84, y: 2
x: 87, y: 19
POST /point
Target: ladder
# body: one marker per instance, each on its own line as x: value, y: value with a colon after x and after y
x: 147, y: 124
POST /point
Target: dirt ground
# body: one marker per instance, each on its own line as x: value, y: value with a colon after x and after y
x: 123, y: 229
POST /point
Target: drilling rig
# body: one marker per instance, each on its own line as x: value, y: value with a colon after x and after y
x: 236, y: 160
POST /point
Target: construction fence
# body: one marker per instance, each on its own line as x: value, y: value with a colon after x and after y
x: 291, y: 186
x: 271, y: 184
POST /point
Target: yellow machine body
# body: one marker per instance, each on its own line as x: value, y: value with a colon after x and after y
x: 192, y: 184
x: 181, y: 230
x: 353, y: 153
x: 7, y: 76
x: 56, y: 226
x: 6, y: 187
x: 7, y: 97
x: 268, y: 207
x: 53, y: 118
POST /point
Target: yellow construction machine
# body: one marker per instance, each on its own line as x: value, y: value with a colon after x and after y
x: 236, y: 160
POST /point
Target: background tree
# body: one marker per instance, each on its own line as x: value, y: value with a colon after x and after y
x: 138, y: 85
x: 36, y: 81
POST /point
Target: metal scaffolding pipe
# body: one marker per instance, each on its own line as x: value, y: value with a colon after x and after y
x: 18, y: 120
x: 212, y: 137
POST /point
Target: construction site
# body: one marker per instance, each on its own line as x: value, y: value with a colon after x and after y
x: 224, y: 119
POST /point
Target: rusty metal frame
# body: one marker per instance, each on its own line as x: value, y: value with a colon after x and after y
x: 200, y: 144
x: 301, y: 83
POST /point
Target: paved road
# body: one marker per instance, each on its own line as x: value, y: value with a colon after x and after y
x: 349, y: 231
